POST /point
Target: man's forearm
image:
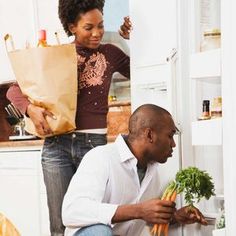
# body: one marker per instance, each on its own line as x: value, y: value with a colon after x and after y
x: 127, y: 212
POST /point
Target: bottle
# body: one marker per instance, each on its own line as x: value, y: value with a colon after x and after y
x: 205, y: 110
x: 220, y: 219
x: 216, y: 107
x: 42, y: 39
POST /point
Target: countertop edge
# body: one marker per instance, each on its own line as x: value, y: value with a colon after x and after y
x: 32, y: 144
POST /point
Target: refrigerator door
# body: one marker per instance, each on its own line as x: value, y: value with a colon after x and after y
x: 159, y: 88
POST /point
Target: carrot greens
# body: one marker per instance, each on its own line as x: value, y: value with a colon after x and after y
x: 195, y: 184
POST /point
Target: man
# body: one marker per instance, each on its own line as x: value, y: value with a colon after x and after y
x: 114, y: 191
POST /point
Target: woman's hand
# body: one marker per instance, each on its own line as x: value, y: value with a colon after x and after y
x: 125, y: 28
x: 38, y: 116
x: 189, y: 215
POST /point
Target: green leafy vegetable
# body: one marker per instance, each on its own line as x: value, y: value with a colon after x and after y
x: 195, y: 184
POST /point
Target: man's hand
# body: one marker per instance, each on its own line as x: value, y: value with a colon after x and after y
x: 152, y: 211
x: 187, y: 215
x: 38, y: 116
x: 156, y: 211
x: 125, y: 28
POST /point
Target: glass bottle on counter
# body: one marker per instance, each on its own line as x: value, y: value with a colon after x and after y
x: 42, y: 39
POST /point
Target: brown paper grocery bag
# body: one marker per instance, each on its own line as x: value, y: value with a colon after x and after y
x: 7, y: 228
x: 48, y: 77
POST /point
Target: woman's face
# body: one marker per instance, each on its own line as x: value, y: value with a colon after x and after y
x: 89, y: 29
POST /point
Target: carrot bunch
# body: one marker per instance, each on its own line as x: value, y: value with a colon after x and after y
x: 169, y: 195
x: 194, y: 183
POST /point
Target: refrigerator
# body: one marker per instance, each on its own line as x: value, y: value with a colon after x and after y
x: 169, y: 69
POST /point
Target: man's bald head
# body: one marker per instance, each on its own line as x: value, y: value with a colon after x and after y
x: 147, y: 116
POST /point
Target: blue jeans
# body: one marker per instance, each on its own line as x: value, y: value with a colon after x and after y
x: 95, y: 230
x: 61, y: 156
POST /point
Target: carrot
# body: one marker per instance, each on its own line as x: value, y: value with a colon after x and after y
x: 160, y: 228
x: 173, y: 196
x: 166, y: 228
x: 154, y: 229
x: 169, y: 195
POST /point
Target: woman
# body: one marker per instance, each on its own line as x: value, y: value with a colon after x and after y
x: 97, y: 62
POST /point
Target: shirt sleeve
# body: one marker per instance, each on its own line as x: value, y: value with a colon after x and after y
x: 121, y: 61
x: 83, y: 204
x: 15, y: 95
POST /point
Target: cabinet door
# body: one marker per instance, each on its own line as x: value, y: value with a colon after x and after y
x: 20, y: 190
x: 154, y: 31
x: 45, y: 227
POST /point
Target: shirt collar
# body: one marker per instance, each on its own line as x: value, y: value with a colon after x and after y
x: 124, y: 151
x: 127, y: 156
x: 83, y: 48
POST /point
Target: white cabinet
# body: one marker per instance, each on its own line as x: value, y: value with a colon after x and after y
x: 153, y: 52
x: 154, y: 33
x: 22, y: 200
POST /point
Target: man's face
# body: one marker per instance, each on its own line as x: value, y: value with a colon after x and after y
x: 163, y: 141
x: 89, y: 29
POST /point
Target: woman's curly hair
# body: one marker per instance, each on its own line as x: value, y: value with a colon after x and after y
x: 70, y: 10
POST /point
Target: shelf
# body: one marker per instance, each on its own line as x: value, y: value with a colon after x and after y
x: 219, y: 197
x: 219, y: 232
x: 211, y: 215
x: 206, y: 66
x: 207, y: 132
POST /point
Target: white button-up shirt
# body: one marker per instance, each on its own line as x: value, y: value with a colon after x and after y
x: 106, y: 178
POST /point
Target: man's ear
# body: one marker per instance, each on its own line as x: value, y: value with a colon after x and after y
x: 149, y: 135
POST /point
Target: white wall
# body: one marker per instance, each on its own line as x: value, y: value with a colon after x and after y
x: 114, y: 12
x: 17, y: 19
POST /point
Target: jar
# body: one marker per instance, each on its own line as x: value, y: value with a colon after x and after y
x: 212, y: 40
x: 216, y: 107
